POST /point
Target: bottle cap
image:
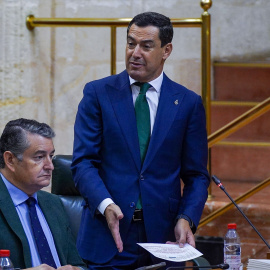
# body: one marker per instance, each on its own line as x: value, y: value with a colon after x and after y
x: 4, y: 253
x: 232, y: 226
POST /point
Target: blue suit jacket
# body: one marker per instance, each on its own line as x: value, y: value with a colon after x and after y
x: 106, y: 162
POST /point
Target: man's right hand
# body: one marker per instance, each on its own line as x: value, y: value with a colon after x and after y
x: 47, y: 267
x: 41, y: 267
x: 113, y: 214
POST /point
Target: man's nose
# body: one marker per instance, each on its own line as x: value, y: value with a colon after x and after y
x: 48, y: 165
x: 137, y: 51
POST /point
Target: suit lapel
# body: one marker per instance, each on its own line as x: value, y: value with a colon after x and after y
x: 13, y: 220
x: 169, y: 103
x: 121, y: 100
x: 46, y: 205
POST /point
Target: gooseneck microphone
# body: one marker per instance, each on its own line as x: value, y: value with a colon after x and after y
x: 157, y: 266
x: 219, y: 184
x: 217, y: 266
x: 152, y: 267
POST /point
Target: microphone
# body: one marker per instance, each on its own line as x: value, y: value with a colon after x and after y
x: 152, y: 267
x: 217, y: 266
x: 156, y: 266
x: 219, y: 184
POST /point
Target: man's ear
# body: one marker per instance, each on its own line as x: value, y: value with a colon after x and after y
x: 9, y: 159
x: 167, y: 50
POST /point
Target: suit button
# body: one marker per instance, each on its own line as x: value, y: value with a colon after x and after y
x: 132, y: 204
x: 141, y: 177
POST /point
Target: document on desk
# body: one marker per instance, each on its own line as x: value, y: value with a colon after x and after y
x: 258, y: 264
x: 172, y: 252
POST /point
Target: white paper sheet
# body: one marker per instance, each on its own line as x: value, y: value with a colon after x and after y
x: 172, y: 252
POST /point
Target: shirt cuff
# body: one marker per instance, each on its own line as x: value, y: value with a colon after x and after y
x: 103, y: 205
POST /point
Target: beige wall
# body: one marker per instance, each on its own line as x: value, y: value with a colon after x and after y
x: 42, y: 73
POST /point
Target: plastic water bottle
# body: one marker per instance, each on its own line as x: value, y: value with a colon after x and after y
x: 5, y: 262
x: 232, y: 248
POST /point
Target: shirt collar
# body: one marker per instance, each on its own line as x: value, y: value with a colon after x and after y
x: 17, y: 195
x: 156, y: 83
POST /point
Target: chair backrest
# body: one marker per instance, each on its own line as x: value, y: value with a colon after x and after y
x: 63, y: 186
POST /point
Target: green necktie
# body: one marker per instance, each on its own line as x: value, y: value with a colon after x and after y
x: 143, y: 119
x: 143, y: 123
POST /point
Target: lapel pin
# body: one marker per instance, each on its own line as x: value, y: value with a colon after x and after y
x: 176, y: 102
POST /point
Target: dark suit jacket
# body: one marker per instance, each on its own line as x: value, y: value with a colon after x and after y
x: 12, y: 235
x: 106, y: 162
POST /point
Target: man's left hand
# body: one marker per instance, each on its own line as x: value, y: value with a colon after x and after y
x: 183, y: 233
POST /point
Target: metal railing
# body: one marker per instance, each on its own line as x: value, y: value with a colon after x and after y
x: 204, y: 23
x: 239, y: 122
x: 224, y: 132
x: 239, y: 199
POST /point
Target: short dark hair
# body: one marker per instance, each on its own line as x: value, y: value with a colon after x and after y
x: 158, y: 20
x: 14, y: 136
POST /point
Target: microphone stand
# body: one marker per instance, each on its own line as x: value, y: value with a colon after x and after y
x: 156, y: 266
x: 218, y: 266
x: 152, y: 267
x: 219, y: 184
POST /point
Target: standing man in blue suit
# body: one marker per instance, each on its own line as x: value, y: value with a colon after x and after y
x: 131, y: 188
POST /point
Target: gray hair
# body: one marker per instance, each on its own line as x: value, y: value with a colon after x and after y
x: 14, y: 136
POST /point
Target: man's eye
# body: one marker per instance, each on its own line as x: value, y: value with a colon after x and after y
x: 147, y: 46
x: 38, y: 157
x: 131, y: 45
